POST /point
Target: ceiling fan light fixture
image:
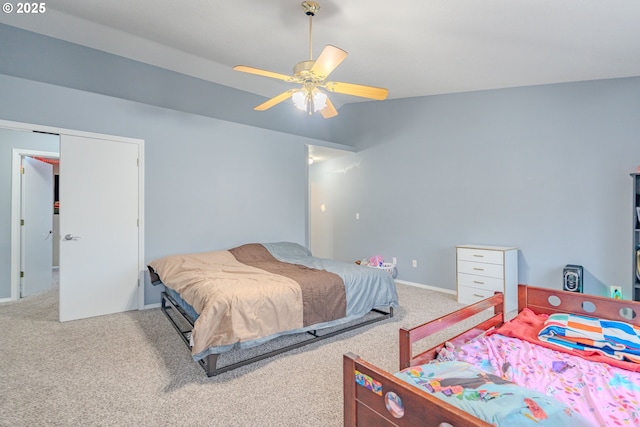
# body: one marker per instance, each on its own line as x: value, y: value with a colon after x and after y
x: 299, y: 99
x: 319, y: 100
x: 309, y: 100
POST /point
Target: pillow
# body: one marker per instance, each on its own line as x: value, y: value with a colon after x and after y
x: 615, y: 339
x: 526, y: 326
x: 287, y: 250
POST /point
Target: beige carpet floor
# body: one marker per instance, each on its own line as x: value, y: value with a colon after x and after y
x: 132, y: 369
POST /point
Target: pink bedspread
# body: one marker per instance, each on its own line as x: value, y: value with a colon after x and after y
x: 604, y: 394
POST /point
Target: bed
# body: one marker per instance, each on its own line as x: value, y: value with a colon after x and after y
x: 537, y: 361
x: 245, y: 297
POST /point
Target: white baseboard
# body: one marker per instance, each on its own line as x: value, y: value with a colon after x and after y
x: 431, y: 288
x: 148, y: 306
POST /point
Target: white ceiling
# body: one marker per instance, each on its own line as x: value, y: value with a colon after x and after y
x: 411, y: 47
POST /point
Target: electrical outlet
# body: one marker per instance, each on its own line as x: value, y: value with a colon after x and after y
x: 395, y: 261
x: 414, y: 263
x: 615, y: 292
x: 357, y: 216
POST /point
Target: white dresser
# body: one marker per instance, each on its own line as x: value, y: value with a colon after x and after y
x: 482, y: 270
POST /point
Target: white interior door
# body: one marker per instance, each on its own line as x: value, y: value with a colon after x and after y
x: 98, y: 227
x: 37, y: 214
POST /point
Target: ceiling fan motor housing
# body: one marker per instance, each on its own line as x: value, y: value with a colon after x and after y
x: 302, y: 70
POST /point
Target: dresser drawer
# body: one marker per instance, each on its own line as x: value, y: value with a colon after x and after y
x: 468, y: 295
x: 487, y: 283
x: 481, y: 269
x: 481, y: 255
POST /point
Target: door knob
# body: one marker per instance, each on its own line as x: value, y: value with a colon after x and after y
x: 71, y: 237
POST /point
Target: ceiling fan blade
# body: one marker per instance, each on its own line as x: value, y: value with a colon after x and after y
x: 329, y: 59
x: 329, y: 110
x: 372, y: 92
x: 275, y: 100
x: 260, y: 72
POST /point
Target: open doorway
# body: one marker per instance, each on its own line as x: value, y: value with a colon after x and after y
x: 100, y: 228
x: 36, y: 232
x: 39, y: 231
x: 320, y: 210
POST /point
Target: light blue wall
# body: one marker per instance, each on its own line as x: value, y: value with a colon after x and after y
x: 36, y: 57
x: 542, y: 168
x: 10, y: 139
x: 217, y: 173
x: 209, y: 184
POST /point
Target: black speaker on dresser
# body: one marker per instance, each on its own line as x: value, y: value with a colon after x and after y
x: 572, y: 278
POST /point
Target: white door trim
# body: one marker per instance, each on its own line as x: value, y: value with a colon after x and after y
x: 15, y: 244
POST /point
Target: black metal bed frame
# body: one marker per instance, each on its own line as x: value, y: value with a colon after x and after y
x: 209, y: 362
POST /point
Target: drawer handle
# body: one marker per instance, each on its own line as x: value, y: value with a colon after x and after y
x: 478, y: 269
x: 478, y: 295
x: 479, y: 283
x: 478, y: 256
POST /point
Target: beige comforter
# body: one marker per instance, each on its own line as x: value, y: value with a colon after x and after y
x: 245, y: 294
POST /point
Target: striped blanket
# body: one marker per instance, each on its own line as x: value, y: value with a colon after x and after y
x: 618, y: 340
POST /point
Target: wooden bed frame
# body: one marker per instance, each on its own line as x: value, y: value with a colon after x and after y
x: 366, y: 405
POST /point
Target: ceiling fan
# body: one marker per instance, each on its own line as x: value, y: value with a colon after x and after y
x: 312, y: 76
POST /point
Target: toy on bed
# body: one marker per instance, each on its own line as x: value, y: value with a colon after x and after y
x: 245, y: 296
x: 590, y: 379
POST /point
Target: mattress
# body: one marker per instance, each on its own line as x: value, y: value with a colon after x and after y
x: 239, y: 300
x: 602, y: 393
